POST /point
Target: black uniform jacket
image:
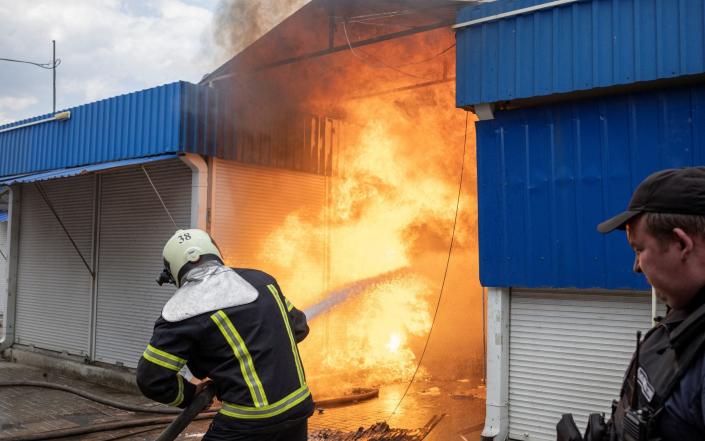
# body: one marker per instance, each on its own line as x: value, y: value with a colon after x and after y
x: 670, y: 377
x: 249, y: 352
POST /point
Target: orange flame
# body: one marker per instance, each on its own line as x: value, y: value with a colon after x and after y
x: 394, y: 200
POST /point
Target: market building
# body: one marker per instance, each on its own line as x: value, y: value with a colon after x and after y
x: 94, y: 192
x: 578, y: 101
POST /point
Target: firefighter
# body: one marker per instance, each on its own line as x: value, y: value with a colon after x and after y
x: 235, y: 328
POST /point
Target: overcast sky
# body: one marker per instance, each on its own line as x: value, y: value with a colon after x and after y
x: 106, y: 47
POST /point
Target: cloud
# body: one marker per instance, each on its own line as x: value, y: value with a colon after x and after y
x: 10, y: 105
x: 107, y: 47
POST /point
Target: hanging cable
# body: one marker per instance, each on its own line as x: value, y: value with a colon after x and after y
x: 383, y: 64
x: 379, y: 15
x: 159, y: 196
x: 42, y: 192
x: 445, y: 273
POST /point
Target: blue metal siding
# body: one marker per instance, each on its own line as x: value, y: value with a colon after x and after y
x: 580, y: 46
x: 548, y: 175
x: 135, y: 125
x: 202, y: 123
x: 75, y: 171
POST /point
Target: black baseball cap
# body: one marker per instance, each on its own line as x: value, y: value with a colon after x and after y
x: 676, y: 191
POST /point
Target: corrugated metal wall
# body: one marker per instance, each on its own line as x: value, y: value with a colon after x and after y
x: 133, y: 230
x: 284, y: 140
x: 128, y: 126
x: 585, y: 45
x: 54, y: 286
x: 548, y: 175
x: 251, y: 203
x: 177, y: 117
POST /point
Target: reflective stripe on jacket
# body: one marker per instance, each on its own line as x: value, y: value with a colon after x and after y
x: 249, y: 351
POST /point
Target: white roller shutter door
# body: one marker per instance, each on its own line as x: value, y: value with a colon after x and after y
x: 54, y: 286
x: 3, y: 271
x: 252, y: 202
x: 568, y: 353
x: 133, y: 230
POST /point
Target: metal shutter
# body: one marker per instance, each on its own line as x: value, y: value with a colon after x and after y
x: 251, y: 202
x: 568, y: 353
x: 54, y: 286
x: 3, y: 271
x: 133, y: 230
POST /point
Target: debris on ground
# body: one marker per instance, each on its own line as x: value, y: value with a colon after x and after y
x: 377, y: 432
x: 478, y: 393
x: 433, y: 391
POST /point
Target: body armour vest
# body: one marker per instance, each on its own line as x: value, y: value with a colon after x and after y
x: 665, y: 354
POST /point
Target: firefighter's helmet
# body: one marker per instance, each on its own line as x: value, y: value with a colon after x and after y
x: 187, y: 246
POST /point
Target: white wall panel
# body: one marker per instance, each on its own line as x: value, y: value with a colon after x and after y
x: 568, y: 353
x: 54, y: 286
x: 133, y: 230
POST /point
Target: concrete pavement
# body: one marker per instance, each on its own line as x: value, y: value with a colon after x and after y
x: 28, y: 410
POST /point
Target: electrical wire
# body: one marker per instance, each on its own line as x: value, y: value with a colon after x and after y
x: 389, y: 66
x: 374, y: 19
x: 50, y: 65
x: 383, y: 63
x: 381, y: 25
x: 160, y: 197
x: 445, y: 273
x: 426, y: 60
x: 378, y: 15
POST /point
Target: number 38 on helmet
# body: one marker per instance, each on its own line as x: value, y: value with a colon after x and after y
x: 184, y: 247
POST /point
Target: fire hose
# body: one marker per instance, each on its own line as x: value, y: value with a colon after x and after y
x: 201, y: 401
x: 175, y: 426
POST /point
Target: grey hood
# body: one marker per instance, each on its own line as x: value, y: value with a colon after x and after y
x: 208, y: 287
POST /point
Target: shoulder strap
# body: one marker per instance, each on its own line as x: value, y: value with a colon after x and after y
x: 688, y: 341
x: 690, y: 329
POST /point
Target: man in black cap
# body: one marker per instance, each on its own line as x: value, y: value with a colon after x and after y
x: 662, y: 396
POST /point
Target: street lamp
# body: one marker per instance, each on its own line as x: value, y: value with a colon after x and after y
x: 51, y: 65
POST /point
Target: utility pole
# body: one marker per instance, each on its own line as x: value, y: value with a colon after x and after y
x: 53, y: 65
x: 53, y: 71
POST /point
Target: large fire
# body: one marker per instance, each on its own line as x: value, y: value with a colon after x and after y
x: 381, y: 238
x: 391, y: 211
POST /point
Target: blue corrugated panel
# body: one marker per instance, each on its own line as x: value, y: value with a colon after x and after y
x: 548, y: 175
x: 3, y: 216
x: 580, y: 46
x: 75, y: 171
x: 203, y: 124
x: 135, y: 125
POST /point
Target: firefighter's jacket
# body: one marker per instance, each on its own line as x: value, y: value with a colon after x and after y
x: 249, y: 351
